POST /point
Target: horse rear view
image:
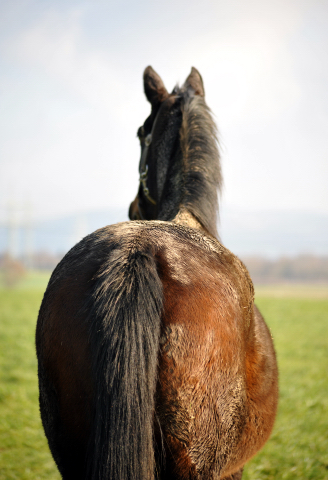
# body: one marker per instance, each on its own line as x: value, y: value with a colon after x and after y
x: 153, y: 361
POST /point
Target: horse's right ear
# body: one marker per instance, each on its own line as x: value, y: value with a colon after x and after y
x: 195, y: 81
x: 155, y: 90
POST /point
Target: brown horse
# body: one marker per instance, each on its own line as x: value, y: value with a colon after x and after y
x: 153, y: 360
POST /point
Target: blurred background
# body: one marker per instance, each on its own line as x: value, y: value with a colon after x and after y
x: 71, y: 100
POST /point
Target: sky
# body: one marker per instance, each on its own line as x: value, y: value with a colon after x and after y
x: 71, y: 98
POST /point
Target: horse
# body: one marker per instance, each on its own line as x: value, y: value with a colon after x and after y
x: 153, y: 361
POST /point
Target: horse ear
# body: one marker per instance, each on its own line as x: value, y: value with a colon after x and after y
x: 195, y: 81
x: 154, y: 87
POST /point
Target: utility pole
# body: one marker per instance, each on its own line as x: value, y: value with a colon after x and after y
x: 12, y: 230
x: 28, y: 236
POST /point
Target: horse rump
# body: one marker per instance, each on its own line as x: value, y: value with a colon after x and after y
x: 153, y: 359
x: 97, y: 344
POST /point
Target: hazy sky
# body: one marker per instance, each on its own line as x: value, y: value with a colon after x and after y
x: 71, y: 97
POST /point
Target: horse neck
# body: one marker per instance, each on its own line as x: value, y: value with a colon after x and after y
x: 189, y: 195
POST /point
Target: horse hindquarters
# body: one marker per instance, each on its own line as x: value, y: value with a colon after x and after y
x: 64, y: 371
x: 97, y: 344
x: 102, y: 341
x: 217, y: 390
x: 201, y: 394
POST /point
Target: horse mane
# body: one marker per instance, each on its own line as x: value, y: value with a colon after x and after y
x: 201, y: 176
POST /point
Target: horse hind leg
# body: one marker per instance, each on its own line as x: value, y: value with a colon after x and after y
x: 68, y: 452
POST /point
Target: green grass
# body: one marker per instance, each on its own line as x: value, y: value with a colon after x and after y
x: 24, y: 452
x: 32, y: 279
x: 298, y: 447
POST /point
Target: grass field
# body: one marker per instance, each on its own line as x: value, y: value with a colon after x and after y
x: 298, y: 447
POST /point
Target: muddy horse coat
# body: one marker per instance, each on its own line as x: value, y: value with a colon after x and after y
x: 153, y: 361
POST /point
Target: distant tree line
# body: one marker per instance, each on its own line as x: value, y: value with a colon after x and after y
x: 12, y: 270
x: 300, y: 269
x: 42, y: 260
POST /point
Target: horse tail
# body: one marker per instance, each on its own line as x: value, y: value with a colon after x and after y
x: 124, y: 325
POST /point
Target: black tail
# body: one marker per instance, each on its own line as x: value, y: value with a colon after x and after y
x: 124, y: 329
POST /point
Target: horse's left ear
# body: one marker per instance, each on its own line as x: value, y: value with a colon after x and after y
x: 195, y: 81
x: 154, y: 87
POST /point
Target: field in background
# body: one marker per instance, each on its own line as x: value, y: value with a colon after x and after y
x: 290, y: 290
x: 24, y: 453
x: 298, y: 448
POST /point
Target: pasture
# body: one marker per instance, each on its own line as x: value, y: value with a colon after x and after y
x: 298, y: 447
